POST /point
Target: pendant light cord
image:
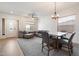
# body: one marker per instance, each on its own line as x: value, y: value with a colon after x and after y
x: 55, y: 7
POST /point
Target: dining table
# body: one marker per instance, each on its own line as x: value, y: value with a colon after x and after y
x: 56, y: 38
x: 59, y: 34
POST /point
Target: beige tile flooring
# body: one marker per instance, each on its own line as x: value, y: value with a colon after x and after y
x: 10, y: 47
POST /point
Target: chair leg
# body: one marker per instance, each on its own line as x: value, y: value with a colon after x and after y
x: 69, y: 53
x: 42, y: 47
x: 48, y: 52
x: 69, y: 50
x: 72, y: 50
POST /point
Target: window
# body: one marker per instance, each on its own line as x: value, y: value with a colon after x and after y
x: 65, y: 19
x: 11, y: 25
x: 27, y: 27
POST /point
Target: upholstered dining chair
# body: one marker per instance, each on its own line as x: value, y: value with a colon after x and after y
x: 67, y: 43
x: 46, y: 41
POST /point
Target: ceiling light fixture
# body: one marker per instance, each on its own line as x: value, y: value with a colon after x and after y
x: 55, y: 16
x: 11, y: 12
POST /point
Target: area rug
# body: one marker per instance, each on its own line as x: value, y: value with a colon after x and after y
x: 32, y: 47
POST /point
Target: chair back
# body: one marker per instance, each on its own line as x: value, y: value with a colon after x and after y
x: 45, y: 37
x: 71, y: 37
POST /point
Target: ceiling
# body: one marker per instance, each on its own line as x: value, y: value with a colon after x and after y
x: 40, y: 8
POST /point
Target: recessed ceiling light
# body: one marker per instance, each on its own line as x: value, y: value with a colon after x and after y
x: 11, y: 12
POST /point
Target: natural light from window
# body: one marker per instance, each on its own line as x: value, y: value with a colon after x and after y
x: 27, y: 27
x: 66, y: 19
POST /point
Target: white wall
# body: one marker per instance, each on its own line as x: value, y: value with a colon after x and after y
x: 76, y: 22
x: 9, y: 32
x: 76, y: 39
x: 11, y: 27
x: 68, y: 23
x: 46, y: 23
x: 67, y: 26
x: 28, y: 21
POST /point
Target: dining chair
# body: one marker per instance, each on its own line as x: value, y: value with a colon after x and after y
x: 67, y: 43
x: 46, y: 41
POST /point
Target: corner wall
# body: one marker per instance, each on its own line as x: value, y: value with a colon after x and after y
x: 10, y: 30
x: 47, y: 23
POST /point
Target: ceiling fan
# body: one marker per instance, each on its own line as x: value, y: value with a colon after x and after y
x: 33, y: 15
